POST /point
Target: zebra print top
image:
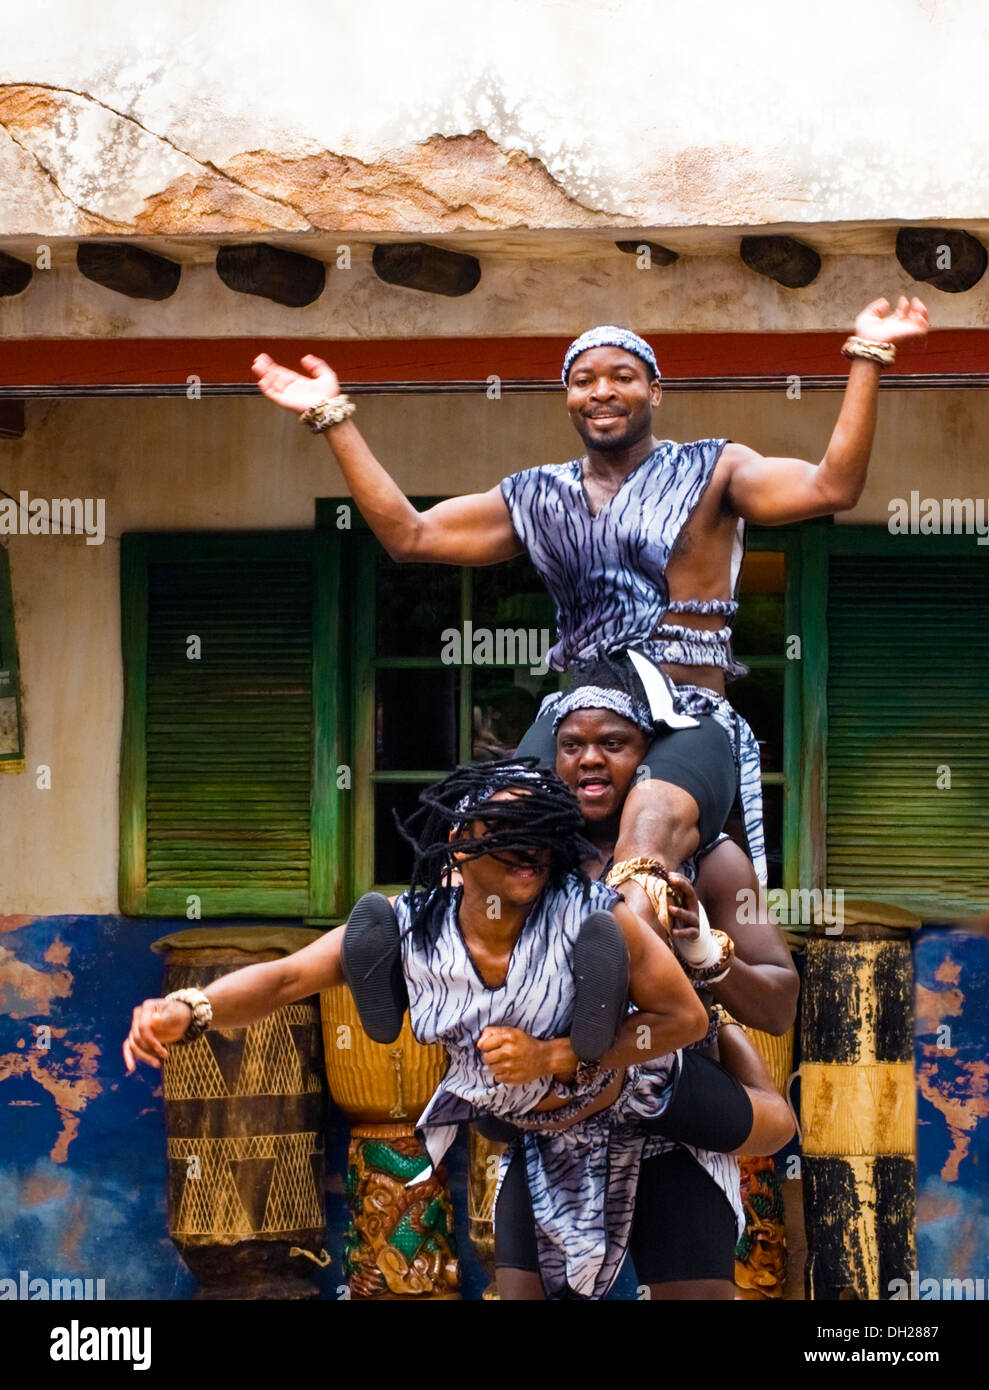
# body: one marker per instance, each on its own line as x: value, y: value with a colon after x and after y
x: 582, y: 1180
x: 607, y: 571
x: 449, y: 1002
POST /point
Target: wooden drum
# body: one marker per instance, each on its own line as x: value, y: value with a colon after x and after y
x: 245, y: 1114
x: 400, y: 1243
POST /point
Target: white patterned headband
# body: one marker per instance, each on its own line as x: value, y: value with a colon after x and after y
x: 597, y: 697
x: 608, y: 335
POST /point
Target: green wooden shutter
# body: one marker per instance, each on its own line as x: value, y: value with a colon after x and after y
x: 908, y: 702
x: 11, y: 742
x: 219, y: 772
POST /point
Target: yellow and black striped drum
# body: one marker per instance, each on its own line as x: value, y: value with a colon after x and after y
x: 858, y: 1105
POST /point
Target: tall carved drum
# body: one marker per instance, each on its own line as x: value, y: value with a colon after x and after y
x: 245, y: 1114
x: 400, y: 1243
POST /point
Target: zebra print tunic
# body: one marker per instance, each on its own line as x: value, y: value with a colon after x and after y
x: 607, y: 575
x: 582, y: 1180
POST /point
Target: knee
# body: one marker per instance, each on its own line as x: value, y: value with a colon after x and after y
x: 663, y: 801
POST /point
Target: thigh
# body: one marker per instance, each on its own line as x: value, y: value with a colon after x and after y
x: 684, y: 1229
x: 702, y: 762
x: 709, y: 1108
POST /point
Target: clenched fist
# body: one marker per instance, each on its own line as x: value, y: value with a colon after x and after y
x: 514, y: 1057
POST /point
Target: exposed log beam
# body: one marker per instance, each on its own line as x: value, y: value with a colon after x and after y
x: 658, y: 255
x: 15, y: 275
x: 416, y: 266
x: 948, y: 259
x: 287, y: 277
x: 128, y: 269
x: 782, y: 258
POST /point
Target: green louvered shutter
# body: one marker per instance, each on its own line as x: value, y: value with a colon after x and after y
x: 229, y: 760
x: 908, y: 703
x: 11, y: 745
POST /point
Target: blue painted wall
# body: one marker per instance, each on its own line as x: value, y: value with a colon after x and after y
x: 82, y: 1143
x: 952, y: 1047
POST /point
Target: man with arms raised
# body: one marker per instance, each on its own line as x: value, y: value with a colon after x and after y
x: 629, y: 538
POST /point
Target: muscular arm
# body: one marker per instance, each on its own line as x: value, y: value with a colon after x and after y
x: 238, y: 999
x: 774, y: 491
x: 761, y: 987
x: 472, y: 530
x: 671, y: 1017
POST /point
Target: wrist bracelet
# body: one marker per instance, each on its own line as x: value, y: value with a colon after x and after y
x: 711, y: 974
x: 202, y: 1011
x: 323, y: 414
x: 883, y: 354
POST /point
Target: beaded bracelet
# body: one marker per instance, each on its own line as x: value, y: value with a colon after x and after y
x: 202, y: 1011
x: 323, y: 414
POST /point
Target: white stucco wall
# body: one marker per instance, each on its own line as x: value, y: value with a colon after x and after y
x: 219, y: 463
x: 665, y: 112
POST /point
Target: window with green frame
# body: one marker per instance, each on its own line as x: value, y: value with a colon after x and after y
x: 415, y: 711
x: 414, y: 717
x: 769, y: 696
x: 11, y: 737
x: 260, y: 777
x: 897, y: 630
x: 233, y: 777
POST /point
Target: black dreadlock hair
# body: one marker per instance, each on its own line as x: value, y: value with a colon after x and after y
x: 545, y: 817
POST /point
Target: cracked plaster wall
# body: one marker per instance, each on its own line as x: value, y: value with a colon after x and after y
x: 186, y: 119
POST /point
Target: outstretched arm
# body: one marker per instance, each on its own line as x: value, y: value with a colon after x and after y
x: 775, y: 491
x: 237, y: 999
x: 472, y: 530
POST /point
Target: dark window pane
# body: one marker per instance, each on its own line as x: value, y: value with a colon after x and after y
x: 392, y: 856
x: 415, y: 603
x: 512, y: 596
x: 759, y: 699
x: 505, y: 704
x: 415, y: 720
x: 758, y: 626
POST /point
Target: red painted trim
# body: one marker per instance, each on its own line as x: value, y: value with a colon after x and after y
x: 125, y: 361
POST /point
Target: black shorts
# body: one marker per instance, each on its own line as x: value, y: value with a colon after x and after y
x: 683, y: 1228
x: 684, y: 1225
x: 700, y: 760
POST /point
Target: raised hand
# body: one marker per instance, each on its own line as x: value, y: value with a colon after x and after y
x: 880, y: 325
x: 293, y: 390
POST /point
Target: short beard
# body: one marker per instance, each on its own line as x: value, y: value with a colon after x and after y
x: 615, y: 443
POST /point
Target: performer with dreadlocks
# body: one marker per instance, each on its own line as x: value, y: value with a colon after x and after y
x: 490, y: 967
x: 630, y: 539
